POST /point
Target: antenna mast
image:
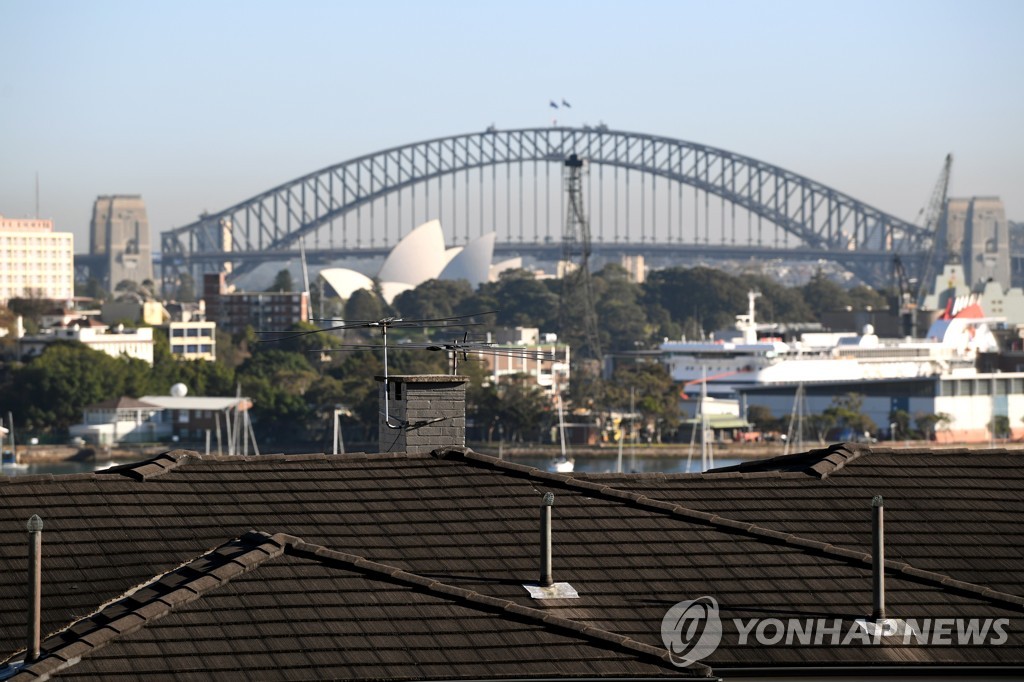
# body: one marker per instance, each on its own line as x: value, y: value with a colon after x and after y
x: 577, y: 291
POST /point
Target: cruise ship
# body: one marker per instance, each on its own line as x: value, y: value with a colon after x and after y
x: 744, y: 360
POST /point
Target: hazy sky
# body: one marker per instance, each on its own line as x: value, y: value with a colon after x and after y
x: 199, y: 105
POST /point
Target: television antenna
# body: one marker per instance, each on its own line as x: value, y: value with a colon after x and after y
x: 383, y: 325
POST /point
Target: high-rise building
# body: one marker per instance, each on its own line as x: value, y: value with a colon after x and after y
x: 119, y: 231
x: 35, y: 261
x: 977, y: 232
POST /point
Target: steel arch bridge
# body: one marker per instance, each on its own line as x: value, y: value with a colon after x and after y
x: 806, y: 220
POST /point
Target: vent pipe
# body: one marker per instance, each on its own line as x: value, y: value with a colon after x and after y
x: 878, y: 557
x: 545, y: 540
x: 35, y: 578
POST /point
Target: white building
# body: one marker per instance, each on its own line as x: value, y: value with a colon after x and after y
x: 552, y: 375
x: 193, y: 340
x: 35, y: 260
x: 155, y: 418
x: 134, y: 343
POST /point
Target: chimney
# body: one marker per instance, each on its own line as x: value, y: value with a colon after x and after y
x: 545, y: 540
x: 421, y: 413
x: 35, y: 579
x: 878, y: 557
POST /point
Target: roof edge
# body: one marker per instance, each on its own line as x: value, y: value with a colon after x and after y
x: 149, y: 603
x: 207, y: 572
x: 729, y: 525
x: 481, y: 601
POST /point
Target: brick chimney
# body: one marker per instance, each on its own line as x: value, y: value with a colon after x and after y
x: 424, y: 412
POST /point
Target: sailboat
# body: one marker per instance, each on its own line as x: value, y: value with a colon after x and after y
x: 563, y: 464
x: 707, y: 453
x: 795, y: 436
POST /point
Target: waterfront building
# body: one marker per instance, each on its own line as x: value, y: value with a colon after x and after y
x: 193, y: 340
x: 978, y: 404
x: 551, y: 375
x: 159, y: 418
x: 35, y: 261
x: 233, y: 311
x: 115, y: 342
x: 119, y: 236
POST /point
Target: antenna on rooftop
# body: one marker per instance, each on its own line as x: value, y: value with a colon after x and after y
x: 383, y: 324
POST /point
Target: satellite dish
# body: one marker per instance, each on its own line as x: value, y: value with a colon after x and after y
x: 179, y: 390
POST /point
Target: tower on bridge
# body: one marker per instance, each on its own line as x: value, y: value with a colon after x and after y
x: 577, y: 311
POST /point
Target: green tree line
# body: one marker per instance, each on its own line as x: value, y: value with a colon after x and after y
x: 297, y: 384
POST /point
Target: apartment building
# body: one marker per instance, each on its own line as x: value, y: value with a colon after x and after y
x: 35, y: 260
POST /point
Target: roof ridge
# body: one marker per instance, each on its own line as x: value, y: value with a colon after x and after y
x: 821, y: 461
x: 158, y: 465
x: 477, y: 599
x: 152, y: 467
x: 750, y: 529
x: 148, y: 603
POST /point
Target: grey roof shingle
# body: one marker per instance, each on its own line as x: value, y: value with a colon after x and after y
x: 789, y: 542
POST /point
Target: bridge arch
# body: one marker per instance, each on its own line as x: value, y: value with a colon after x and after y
x: 270, y: 224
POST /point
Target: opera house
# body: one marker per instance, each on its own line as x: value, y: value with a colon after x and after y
x: 420, y: 256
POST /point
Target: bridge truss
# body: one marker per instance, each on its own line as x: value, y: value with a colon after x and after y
x: 646, y: 194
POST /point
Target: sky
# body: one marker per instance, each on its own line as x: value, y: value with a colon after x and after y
x: 197, y: 105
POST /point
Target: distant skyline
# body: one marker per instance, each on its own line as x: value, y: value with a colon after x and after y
x: 200, y: 105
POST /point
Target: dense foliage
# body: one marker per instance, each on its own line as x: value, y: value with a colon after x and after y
x: 297, y: 384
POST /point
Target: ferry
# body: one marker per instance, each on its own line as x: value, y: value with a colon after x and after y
x: 745, y: 360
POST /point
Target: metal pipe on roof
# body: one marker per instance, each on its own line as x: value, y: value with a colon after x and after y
x: 35, y: 578
x: 878, y: 557
x: 545, y: 540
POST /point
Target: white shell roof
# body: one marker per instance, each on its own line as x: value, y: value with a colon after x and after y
x: 346, y: 282
x: 419, y: 256
x: 473, y: 262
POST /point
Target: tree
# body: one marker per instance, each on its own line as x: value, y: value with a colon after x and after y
x: 762, y: 418
x: 432, y: 299
x: 522, y: 300
x: 655, y: 396
x: 711, y: 297
x: 929, y: 424
x: 901, y: 420
x: 92, y: 288
x: 847, y: 411
x: 282, y: 281
x: 56, y: 386
x: 276, y: 381
x: 31, y: 308
x: 130, y: 289
x: 824, y: 295
x: 522, y: 408
x: 364, y: 305
x: 624, y: 323
x: 863, y: 297
x: 1000, y: 426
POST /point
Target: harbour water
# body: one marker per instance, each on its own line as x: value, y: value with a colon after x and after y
x: 585, y: 463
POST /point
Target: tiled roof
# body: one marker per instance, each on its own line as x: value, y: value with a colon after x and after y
x: 952, y: 511
x: 122, y: 403
x: 324, y: 614
x: 461, y: 532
